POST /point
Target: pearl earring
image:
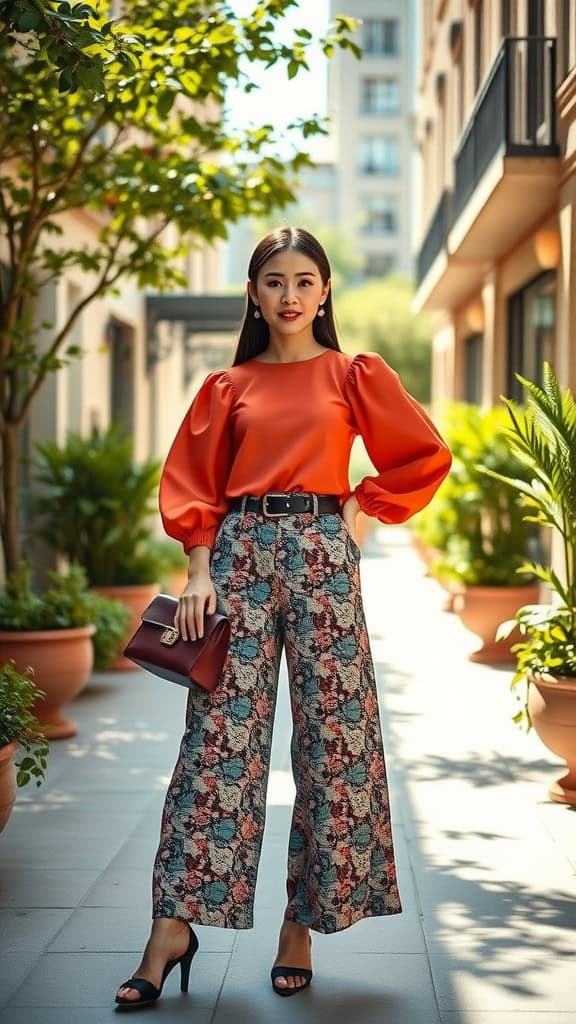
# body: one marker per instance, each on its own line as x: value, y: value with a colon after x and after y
x: 321, y: 311
x: 257, y: 314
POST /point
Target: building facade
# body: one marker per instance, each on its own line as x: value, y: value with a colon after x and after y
x: 371, y: 109
x: 496, y: 130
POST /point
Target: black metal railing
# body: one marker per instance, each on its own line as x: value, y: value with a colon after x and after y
x: 434, y: 240
x: 514, y: 113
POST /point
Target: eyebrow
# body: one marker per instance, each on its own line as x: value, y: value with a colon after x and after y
x: 302, y: 273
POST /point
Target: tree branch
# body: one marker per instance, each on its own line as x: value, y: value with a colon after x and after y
x: 103, y: 284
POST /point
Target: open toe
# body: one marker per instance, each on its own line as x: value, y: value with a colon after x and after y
x: 290, y: 972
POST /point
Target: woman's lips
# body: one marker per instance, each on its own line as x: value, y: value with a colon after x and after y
x: 289, y: 316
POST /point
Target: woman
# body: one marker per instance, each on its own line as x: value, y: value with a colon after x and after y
x: 256, y: 488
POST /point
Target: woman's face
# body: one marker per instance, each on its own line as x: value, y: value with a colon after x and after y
x: 288, y: 291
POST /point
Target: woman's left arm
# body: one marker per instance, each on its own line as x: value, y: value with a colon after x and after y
x: 410, y: 455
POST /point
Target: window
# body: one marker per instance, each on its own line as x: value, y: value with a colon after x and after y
x: 378, y: 264
x: 505, y: 18
x: 380, y: 215
x: 382, y: 36
x: 381, y: 96
x: 380, y: 154
x: 531, y: 331
x: 473, y: 346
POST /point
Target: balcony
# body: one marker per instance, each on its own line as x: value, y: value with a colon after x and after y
x: 505, y: 173
x: 434, y: 241
x: 514, y: 113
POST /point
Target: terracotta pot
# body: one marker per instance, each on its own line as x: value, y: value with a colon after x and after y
x: 7, y: 782
x: 62, y: 661
x: 552, y: 709
x: 425, y: 552
x: 136, y: 597
x: 177, y: 582
x: 482, y: 609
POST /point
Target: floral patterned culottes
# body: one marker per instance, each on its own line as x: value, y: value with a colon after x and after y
x: 292, y: 582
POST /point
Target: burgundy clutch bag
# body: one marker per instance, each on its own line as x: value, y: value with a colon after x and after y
x: 158, y: 647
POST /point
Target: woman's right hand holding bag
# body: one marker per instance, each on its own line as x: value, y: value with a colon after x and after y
x: 198, y: 597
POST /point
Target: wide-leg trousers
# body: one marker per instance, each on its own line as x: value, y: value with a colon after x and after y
x: 291, y: 582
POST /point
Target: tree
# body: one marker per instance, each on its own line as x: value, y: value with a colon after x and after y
x: 151, y: 151
x: 377, y: 316
x: 73, y: 38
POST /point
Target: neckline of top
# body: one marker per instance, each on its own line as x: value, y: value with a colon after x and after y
x: 293, y: 362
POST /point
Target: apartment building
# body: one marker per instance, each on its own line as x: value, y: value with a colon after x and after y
x: 371, y: 107
x: 496, y: 132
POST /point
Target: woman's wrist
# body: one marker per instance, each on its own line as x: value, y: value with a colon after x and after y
x: 198, y: 559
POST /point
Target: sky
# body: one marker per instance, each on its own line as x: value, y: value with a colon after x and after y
x: 277, y: 100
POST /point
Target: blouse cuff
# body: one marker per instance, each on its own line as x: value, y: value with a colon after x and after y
x: 379, y: 510
x: 200, y: 537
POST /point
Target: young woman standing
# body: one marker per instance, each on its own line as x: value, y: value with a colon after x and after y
x: 256, y: 488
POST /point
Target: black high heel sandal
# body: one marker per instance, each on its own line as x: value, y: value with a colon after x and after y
x: 148, y: 992
x: 291, y: 972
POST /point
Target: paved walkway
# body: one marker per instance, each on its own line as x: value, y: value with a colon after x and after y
x: 486, y: 863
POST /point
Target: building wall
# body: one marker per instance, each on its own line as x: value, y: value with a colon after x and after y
x: 504, y: 275
x: 111, y: 379
x: 97, y: 387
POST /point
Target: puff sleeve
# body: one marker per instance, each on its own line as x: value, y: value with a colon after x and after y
x: 401, y: 440
x: 193, y: 481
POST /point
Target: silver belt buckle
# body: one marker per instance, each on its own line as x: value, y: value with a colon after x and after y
x: 272, y: 515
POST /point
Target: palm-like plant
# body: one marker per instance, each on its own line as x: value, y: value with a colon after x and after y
x: 544, y: 438
x: 96, y: 504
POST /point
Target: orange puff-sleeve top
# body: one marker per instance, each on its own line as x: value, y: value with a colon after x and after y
x: 261, y: 427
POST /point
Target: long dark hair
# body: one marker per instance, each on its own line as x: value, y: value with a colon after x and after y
x: 254, y: 334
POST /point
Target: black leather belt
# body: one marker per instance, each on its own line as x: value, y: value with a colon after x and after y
x: 275, y: 504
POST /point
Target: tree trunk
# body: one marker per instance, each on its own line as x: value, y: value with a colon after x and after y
x: 9, y: 497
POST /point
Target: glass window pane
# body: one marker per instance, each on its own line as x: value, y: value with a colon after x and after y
x: 379, y: 215
x: 378, y: 264
x: 382, y: 36
x: 379, y: 154
x: 381, y: 96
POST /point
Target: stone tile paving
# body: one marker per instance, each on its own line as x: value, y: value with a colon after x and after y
x: 486, y: 863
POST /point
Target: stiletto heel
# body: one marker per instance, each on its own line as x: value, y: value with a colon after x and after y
x: 148, y: 992
x: 185, y: 965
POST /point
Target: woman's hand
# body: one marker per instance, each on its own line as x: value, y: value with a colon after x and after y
x: 350, y: 510
x: 198, y: 596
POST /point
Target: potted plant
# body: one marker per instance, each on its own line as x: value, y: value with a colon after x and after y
x: 19, y: 727
x: 489, y: 540
x: 171, y: 554
x: 544, y: 439
x: 95, y: 507
x: 52, y: 634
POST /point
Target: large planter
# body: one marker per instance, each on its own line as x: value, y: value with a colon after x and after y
x: 552, y: 709
x: 177, y: 581
x: 136, y: 597
x: 62, y: 661
x: 482, y: 609
x: 7, y: 782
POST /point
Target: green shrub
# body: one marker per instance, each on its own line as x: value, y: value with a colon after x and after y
x: 95, y: 506
x: 475, y: 519
x: 66, y: 604
x: 18, y: 694
x: 111, y: 619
